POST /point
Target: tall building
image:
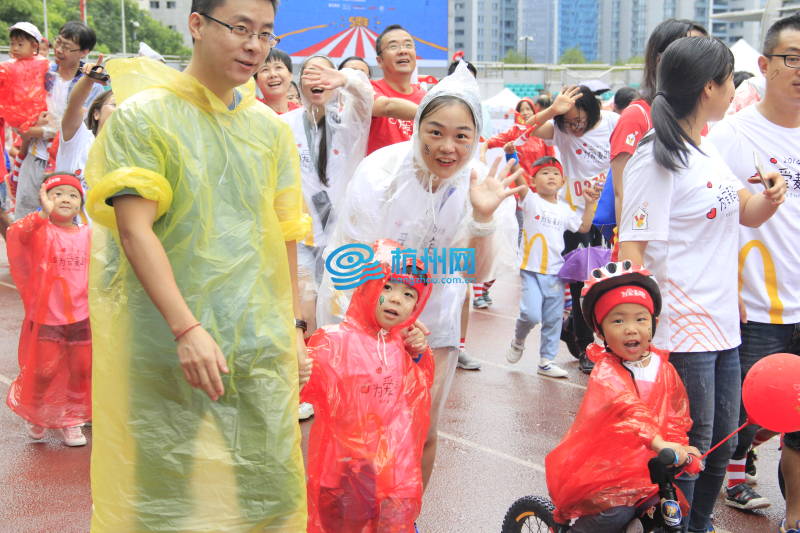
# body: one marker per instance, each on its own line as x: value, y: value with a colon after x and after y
x: 537, y: 30
x: 173, y: 14
x: 484, y: 29
x: 578, y: 27
x: 732, y: 31
x: 627, y: 24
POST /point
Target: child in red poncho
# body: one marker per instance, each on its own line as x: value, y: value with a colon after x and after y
x: 371, y: 393
x: 635, y: 406
x: 49, y: 258
x: 518, y: 140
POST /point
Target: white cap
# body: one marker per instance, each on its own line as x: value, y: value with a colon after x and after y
x: 28, y: 28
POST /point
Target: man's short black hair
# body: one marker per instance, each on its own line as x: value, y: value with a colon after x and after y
x: 791, y: 22
x: 624, y: 96
x: 207, y: 6
x: 470, y: 66
x: 80, y: 33
x: 386, y: 30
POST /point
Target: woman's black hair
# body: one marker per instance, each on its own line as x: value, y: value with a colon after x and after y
x: 276, y: 55
x: 279, y: 55
x: 356, y: 58
x: 97, y: 104
x: 686, y: 66
x: 322, y: 152
x: 590, y: 105
x: 444, y: 101
x: 662, y: 36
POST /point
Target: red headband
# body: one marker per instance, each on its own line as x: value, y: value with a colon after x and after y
x: 63, y: 179
x: 625, y: 294
x: 552, y: 163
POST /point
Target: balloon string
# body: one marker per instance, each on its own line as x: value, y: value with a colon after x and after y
x: 717, y: 445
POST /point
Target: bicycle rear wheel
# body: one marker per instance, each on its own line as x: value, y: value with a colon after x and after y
x: 530, y: 514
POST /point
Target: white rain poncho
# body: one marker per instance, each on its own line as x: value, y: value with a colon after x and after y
x: 348, y: 114
x: 391, y: 197
x: 165, y: 457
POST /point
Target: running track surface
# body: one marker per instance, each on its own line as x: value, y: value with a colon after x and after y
x: 499, y: 424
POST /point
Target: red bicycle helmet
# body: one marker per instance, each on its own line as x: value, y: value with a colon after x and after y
x: 613, y: 275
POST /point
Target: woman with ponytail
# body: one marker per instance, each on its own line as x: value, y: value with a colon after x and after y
x: 680, y: 215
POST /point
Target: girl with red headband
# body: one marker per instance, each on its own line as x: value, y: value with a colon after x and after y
x: 49, y: 258
x: 635, y: 405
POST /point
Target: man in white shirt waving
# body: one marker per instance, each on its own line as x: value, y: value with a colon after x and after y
x: 769, y: 258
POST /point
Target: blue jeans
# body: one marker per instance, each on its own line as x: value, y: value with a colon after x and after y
x: 541, y: 302
x: 713, y: 383
x: 758, y: 341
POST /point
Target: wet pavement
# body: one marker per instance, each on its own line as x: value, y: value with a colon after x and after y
x: 499, y: 424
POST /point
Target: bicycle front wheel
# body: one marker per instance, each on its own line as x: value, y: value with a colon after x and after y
x: 530, y: 514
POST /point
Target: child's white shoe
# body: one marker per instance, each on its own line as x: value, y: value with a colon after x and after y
x: 73, y: 436
x: 305, y: 411
x: 552, y: 370
x: 514, y: 353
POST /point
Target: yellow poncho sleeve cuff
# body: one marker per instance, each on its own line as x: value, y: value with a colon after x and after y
x: 297, y: 229
x: 148, y: 184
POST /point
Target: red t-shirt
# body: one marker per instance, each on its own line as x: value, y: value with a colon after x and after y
x: 633, y: 123
x: 385, y: 131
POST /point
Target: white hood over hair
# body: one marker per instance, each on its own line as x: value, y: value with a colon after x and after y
x: 460, y: 84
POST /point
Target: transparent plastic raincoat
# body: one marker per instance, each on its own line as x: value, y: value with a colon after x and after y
x: 227, y: 184
x: 348, y: 114
x: 347, y: 118
x: 602, y: 460
x: 22, y: 93
x: 372, y: 411
x: 391, y: 197
x: 50, y: 265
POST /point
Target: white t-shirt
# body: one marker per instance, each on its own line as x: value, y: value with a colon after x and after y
x: 586, y: 159
x: 545, y: 222
x: 72, y: 154
x: 690, y: 219
x: 769, y: 253
x: 57, y: 98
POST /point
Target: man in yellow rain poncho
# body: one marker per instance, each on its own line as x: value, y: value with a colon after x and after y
x: 195, y: 189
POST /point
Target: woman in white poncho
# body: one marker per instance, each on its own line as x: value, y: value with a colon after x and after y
x: 426, y: 194
x: 331, y: 133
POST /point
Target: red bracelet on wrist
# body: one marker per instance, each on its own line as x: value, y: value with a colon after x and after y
x: 187, y: 330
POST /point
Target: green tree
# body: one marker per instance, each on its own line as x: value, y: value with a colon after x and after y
x: 635, y: 60
x: 109, y: 32
x: 102, y: 15
x: 514, y: 58
x: 572, y: 56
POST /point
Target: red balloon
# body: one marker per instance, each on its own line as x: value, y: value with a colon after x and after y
x: 771, y: 393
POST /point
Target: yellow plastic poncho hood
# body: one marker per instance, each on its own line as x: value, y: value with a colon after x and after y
x: 227, y: 186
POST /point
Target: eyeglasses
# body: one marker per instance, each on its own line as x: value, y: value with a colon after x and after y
x: 396, y: 47
x: 790, y: 60
x: 63, y: 46
x: 576, y: 124
x: 268, y: 38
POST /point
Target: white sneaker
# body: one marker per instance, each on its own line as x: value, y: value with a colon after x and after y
x: 552, y: 370
x: 305, y: 411
x: 73, y: 436
x: 514, y: 352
